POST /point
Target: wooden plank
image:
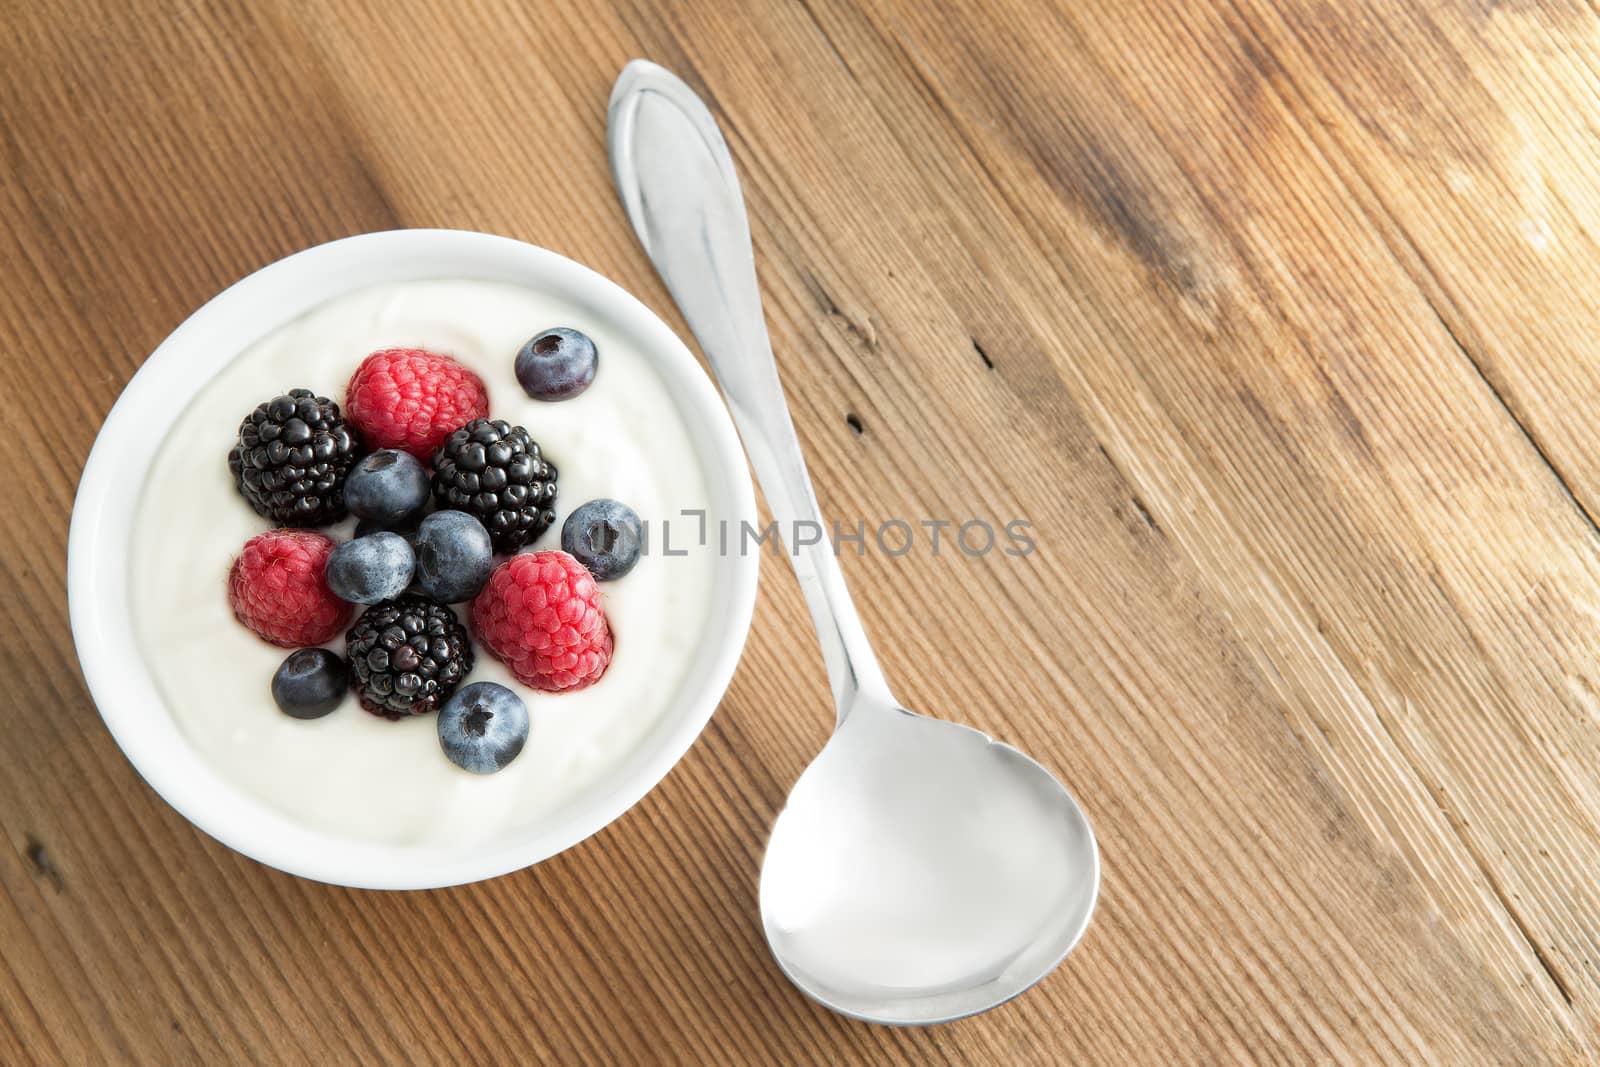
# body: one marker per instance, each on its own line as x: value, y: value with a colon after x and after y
x: 1271, y: 318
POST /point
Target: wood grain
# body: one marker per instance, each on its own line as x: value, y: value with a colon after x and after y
x: 1277, y: 321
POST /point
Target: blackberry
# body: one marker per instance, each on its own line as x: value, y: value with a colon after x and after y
x: 407, y: 656
x: 291, y: 459
x: 493, y: 470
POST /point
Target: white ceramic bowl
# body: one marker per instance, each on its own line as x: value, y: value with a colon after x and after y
x: 98, y: 563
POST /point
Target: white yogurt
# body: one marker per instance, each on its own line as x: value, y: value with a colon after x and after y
x: 355, y: 775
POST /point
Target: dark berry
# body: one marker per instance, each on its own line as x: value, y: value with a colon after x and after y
x: 387, y: 487
x: 310, y: 683
x: 493, y: 471
x: 557, y: 365
x: 483, y: 727
x: 407, y: 656
x: 454, y: 557
x: 605, y: 536
x: 371, y: 568
x: 291, y: 458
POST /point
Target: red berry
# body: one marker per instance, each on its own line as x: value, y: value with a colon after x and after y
x: 540, y: 615
x: 411, y: 399
x: 276, y: 588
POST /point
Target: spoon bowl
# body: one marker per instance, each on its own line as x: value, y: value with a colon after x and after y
x: 922, y: 872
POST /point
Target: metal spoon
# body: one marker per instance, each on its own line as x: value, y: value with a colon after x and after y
x: 920, y: 871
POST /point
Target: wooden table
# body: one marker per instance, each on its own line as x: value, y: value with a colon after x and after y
x: 1277, y: 320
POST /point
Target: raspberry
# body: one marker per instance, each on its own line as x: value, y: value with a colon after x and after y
x: 411, y: 399
x: 540, y: 615
x: 276, y: 588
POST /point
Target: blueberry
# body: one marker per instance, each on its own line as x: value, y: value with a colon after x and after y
x: 386, y: 487
x: 454, y: 556
x: 310, y: 683
x: 483, y: 727
x: 371, y: 568
x: 605, y: 536
x: 557, y: 365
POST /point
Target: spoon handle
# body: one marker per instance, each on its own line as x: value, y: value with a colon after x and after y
x: 677, y: 183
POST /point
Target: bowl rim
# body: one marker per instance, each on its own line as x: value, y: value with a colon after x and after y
x: 98, y: 553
